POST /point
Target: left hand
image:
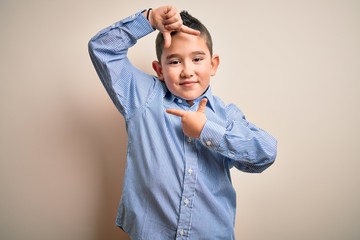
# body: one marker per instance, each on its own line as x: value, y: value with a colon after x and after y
x: 167, y: 19
x: 192, y: 122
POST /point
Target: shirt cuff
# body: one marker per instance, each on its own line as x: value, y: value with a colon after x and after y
x: 212, y: 134
x: 139, y: 24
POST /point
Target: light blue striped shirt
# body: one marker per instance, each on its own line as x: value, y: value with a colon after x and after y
x: 175, y: 187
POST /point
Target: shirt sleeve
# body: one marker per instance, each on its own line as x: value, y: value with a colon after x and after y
x: 127, y: 86
x: 248, y: 148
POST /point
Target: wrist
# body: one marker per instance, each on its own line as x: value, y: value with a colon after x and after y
x: 148, y: 13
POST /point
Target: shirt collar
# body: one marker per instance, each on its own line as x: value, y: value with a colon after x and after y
x: 207, y: 94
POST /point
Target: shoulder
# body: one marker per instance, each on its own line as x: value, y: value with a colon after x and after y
x: 228, y: 110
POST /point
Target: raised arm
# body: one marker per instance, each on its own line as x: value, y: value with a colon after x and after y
x: 126, y: 85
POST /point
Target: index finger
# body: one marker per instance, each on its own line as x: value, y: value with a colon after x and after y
x: 188, y: 30
x: 176, y: 112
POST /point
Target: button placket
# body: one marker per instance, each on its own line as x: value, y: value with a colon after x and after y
x: 189, y: 183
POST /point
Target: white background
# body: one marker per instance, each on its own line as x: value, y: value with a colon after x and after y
x: 293, y: 67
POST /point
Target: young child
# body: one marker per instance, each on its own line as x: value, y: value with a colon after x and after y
x: 182, y: 140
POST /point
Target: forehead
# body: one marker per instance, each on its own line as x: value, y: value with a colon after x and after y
x: 184, y: 44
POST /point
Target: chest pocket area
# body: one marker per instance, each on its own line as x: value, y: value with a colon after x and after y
x: 213, y: 171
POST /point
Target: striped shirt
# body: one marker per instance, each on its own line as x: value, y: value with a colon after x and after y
x: 175, y: 187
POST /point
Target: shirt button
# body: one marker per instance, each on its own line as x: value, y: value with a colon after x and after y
x: 190, y: 171
x: 179, y: 101
x: 189, y: 139
x: 208, y: 143
x: 182, y: 232
x: 186, y: 201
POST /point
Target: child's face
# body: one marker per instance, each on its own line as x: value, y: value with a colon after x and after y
x: 186, y: 66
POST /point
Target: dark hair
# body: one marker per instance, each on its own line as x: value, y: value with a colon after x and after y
x: 190, y: 22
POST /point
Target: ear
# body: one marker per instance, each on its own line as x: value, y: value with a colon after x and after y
x: 215, y: 61
x: 158, y: 69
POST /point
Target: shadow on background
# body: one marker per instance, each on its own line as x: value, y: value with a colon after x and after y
x: 112, y: 159
x: 102, y: 130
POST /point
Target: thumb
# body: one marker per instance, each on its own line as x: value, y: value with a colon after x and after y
x: 202, y: 105
x: 167, y: 39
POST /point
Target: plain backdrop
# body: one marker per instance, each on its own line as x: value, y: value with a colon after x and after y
x: 293, y: 67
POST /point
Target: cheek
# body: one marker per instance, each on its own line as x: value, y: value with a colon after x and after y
x: 169, y: 78
x: 206, y: 72
x: 170, y: 74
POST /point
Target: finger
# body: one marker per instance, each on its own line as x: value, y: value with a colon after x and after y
x: 202, y: 105
x: 172, y: 17
x: 173, y: 26
x: 176, y: 112
x: 170, y: 11
x: 172, y: 20
x: 186, y: 29
x: 167, y: 39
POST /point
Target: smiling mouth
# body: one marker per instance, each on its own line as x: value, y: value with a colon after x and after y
x: 188, y: 83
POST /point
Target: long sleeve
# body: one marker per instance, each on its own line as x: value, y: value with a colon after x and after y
x: 248, y: 148
x: 127, y: 86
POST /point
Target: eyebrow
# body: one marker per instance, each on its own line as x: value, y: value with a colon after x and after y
x: 175, y: 55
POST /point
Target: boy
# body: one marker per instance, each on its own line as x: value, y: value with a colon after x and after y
x: 182, y: 140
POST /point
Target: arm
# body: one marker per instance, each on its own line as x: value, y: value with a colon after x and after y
x: 126, y: 85
x: 248, y: 148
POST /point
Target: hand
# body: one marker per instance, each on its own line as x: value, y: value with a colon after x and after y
x: 167, y: 19
x: 192, y: 122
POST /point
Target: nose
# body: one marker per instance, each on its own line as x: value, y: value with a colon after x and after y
x: 187, y: 71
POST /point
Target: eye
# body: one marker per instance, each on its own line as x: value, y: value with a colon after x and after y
x: 174, y: 62
x: 197, y: 59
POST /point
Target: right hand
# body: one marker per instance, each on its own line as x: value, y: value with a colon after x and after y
x: 167, y: 19
x: 192, y: 122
